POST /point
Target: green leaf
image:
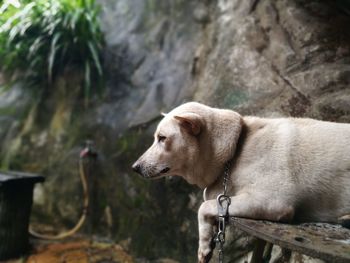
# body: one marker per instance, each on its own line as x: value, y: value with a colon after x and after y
x: 33, y: 49
x: 52, y: 54
x: 95, y: 57
x: 75, y: 18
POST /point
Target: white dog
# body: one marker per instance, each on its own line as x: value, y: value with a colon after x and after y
x: 282, y: 169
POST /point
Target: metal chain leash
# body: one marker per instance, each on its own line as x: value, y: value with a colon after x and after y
x: 223, y: 203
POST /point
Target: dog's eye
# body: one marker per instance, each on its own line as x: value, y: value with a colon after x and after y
x: 161, y: 138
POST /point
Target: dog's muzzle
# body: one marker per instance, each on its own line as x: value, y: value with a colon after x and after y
x: 137, y: 168
x: 149, y: 173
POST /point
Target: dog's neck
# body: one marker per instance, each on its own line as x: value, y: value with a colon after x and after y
x: 222, y: 180
x: 218, y: 171
x: 217, y: 146
x: 214, y: 172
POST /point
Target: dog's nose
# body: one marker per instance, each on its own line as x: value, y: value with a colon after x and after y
x: 136, y: 167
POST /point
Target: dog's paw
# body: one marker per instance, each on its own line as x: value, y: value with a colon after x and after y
x: 204, y: 255
x: 205, y: 251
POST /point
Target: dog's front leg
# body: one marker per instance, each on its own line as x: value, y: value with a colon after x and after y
x: 206, y: 219
x: 243, y: 205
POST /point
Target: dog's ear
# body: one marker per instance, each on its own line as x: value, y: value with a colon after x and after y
x: 190, y: 122
x: 226, y: 126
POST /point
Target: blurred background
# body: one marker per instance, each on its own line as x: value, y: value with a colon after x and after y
x: 72, y: 70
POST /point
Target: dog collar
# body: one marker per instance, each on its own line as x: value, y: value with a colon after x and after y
x: 227, y: 169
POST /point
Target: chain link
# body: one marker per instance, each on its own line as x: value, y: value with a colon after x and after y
x: 223, y: 203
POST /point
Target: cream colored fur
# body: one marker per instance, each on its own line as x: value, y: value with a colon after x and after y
x: 283, y: 169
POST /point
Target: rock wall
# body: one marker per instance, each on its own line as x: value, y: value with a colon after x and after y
x: 273, y: 58
x: 259, y: 57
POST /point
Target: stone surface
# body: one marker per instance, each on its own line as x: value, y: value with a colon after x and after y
x: 259, y: 57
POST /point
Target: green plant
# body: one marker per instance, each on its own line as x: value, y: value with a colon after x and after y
x: 40, y: 39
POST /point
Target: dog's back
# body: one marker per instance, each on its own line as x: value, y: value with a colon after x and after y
x: 309, y: 159
x: 324, y: 164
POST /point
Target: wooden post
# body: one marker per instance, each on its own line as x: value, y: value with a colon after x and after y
x: 258, y: 251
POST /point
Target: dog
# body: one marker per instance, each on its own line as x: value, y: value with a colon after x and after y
x: 282, y: 169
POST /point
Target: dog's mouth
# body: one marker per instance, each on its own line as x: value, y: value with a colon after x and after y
x: 161, y: 174
x: 165, y: 170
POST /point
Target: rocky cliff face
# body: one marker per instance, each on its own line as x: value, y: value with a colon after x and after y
x: 267, y: 58
x: 288, y: 58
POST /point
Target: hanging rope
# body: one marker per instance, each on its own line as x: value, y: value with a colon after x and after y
x: 89, y: 153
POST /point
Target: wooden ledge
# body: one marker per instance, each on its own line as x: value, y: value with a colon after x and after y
x: 319, y: 240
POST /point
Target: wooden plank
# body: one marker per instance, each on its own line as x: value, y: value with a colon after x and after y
x: 319, y: 240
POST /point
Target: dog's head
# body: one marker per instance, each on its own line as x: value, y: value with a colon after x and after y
x: 192, y: 141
